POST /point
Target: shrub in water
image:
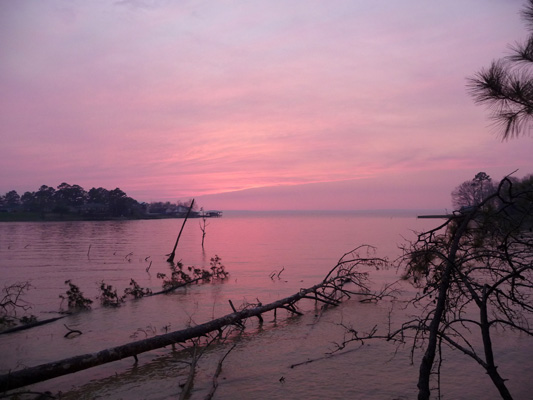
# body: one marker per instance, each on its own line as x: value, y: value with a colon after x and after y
x: 75, y: 297
x: 109, y: 297
x: 136, y: 291
x: 179, y: 277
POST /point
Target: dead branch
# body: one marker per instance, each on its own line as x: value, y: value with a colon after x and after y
x: 324, y: 357
x: 203, y: 226
x: 217, y: 373
x: 175, y: 287
x: 71, y: 331
x: 276, y: 273
x: 332, y: 289
x: 197, y: 351
x: 31, y: 325
x: 480, y: 263
x: 173, y: 254
x: 12, y: 301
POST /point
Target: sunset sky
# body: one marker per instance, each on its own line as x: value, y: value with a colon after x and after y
x: 278, y: 104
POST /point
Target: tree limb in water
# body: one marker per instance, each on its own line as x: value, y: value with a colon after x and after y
x: 31, y: 325
x: 330, y: 291
x: 173, y: 254
x: 217, y: 373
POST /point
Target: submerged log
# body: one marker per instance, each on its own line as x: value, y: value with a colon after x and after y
x: 30, y: 325
x: 329, y: 291
x: 47, y: 371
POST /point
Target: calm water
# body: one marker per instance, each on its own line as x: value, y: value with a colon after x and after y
x: 251, y: 247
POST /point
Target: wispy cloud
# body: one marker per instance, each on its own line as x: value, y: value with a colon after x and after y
x: 175, y: 99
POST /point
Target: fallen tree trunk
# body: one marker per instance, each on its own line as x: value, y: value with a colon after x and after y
x: 329, y: 291
x: 47, y: 371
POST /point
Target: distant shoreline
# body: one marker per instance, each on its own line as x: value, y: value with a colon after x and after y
x: 52, y: 217
x: 375, y: 212
x: 389, y: 213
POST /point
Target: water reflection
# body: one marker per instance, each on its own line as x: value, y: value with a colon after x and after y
x: 251, y: 247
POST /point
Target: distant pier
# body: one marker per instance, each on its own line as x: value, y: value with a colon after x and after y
x: 441, y: 216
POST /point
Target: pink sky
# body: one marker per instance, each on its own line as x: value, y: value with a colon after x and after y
x: 254, y: 104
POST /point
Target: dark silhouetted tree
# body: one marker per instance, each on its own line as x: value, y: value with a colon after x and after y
x: 29, y: 202
x: 120, y: 205
x: 506, y: 87
x: 471, y: 193
x: 159, y: 207
x: 44, y: 199
x: 68, y: 199
x: 70, y: 195
x: 475, y: 275
x: 188, y: 203
x: 98, y: 196
x: 12, y: 200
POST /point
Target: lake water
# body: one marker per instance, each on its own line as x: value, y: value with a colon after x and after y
x: 251, y: 246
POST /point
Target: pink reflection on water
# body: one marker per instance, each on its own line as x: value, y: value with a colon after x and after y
x: 251, y: 246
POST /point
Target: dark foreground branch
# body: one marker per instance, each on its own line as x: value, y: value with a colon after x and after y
x: 44, y: 372
x: 330, y: 288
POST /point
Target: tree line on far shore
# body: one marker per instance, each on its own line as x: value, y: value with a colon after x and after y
x: 473, y: 192
x: 74, y: 201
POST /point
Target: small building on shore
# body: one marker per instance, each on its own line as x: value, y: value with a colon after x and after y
x: 210, y: 214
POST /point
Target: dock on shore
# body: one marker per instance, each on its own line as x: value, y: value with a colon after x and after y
x: 441, y: 216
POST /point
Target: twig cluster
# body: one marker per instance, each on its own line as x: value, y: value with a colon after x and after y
x: 180, y: 276
x: 474, y: 273
x: 12, y: 302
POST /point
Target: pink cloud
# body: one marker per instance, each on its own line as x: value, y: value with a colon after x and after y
x: 170, y: 100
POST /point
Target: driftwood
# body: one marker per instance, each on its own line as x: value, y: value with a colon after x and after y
x: 330, y: 292
x: 71, y: 331
x: 30, y: 325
